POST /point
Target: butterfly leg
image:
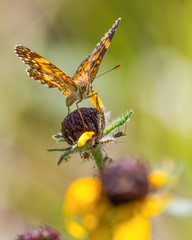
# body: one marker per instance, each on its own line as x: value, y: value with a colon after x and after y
x: 85, y: 126
x: 68, y: 110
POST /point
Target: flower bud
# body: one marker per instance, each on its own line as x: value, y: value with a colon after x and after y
x: 125, y: 181
x: 44, y: 233
x: 73, y: 126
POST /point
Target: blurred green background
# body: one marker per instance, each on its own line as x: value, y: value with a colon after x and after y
x: 154, y: 45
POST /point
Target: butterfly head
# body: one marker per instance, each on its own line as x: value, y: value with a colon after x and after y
x: 84, y: 88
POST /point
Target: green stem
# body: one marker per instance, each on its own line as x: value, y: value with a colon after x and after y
x: 98, y: 156
x: 117, y: 123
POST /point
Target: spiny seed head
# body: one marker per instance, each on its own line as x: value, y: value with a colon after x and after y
x: 125, y: 181
x: 73, y: 126
x: 44, y: 233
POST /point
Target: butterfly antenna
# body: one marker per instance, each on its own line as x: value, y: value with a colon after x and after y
x: 108, y: 71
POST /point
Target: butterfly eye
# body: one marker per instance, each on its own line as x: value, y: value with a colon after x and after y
x: 83, y: 87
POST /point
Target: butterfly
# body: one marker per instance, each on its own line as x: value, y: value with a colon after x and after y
x: 75, y: 88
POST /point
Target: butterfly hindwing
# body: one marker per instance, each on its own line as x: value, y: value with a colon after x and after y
x: 83, y: 70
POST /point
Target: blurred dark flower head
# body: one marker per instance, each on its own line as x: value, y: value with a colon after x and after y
x: 44, y: 233
x: 126, y: 180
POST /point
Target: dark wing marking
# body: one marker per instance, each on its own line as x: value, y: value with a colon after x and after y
x: 47, y: 73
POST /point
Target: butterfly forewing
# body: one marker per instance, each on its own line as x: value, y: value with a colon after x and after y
x: 88, y: 69
x: 100, y: 50
x: 47, y: 73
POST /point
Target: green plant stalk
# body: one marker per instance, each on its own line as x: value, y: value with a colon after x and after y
x: 98, y: 156
x: 118, y: 123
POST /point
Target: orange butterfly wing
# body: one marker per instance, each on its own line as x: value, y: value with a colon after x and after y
x: 100, y: 50
x: 83, y: 70
x: 88, y: 69
x: 47, y: 73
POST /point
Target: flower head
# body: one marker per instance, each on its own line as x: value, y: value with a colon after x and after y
x: 73, y: 127
x: 84, y: 129
x: 44, y: 233
x: 116, y: 206
x: 125, y: 181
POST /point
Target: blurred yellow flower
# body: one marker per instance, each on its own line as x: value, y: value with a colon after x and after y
x: 94, y: 210
x: 82, y: 194
x: 80, y: 200
x: 158, y: 178
x: 136, y: 228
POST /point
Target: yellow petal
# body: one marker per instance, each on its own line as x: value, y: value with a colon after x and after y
x: 103, y: 232
x: 97, y: 214
x: 75, y: 229
x: 155, y: 205
x: 90, y: 221
x: 136, y: 228
x: 81, y: 195
x: 84, y: 138
x: 94, y: 98
x: 158, y: 178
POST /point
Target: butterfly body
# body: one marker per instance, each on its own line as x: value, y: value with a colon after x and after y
x: 75, y: 88
x: 82, y: 92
